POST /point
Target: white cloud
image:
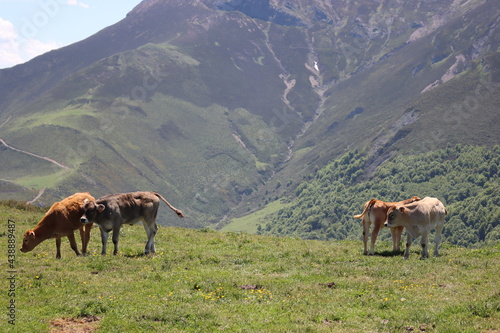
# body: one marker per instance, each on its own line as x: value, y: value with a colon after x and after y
x: 7, y: 30
x: 15, y: 50
x: 77, y: 3
x: 9, y: 47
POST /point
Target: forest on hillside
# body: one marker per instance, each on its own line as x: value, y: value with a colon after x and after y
x: 465, y: 178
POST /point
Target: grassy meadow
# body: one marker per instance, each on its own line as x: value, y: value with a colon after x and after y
x: 207, y: 281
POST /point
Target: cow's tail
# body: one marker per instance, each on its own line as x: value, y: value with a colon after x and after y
x: 177, y: 211
x: 368, y: 206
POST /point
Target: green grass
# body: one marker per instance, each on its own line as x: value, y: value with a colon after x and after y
x: 205, y: 281
x: 42, y: 181
x: 62, y: 117
x: 302, y: 152
x: 250, y: 222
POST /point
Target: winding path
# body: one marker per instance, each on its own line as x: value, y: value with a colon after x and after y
x: 40, y: 193
x: 34, y: 155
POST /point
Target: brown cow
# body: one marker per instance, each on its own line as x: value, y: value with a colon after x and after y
x: 375, y: 212
x: 62, y: 219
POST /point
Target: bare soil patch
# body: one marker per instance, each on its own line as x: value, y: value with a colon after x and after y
x: 75, y: 325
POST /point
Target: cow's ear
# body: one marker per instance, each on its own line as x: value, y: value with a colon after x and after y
x: 100, y: 208
x: 402, y: 209
x: 31, y: 233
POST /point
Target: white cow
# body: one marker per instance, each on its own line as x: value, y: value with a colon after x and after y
x: 419, y: 218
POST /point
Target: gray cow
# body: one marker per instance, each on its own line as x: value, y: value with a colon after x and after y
x: 111, y: 211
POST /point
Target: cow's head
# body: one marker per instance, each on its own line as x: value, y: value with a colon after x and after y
x: 90, y: 211
x: 393, y: 214
x: 29, y: 241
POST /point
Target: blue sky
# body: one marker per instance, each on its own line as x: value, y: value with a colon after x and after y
x: 32, y: 27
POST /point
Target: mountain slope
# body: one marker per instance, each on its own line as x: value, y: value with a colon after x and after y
x: 361, y: 110
x: 214, y: 103
x: 464, y: 178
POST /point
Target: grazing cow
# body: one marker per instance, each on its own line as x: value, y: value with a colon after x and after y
x: 62, y: 219
x: 419, y: 218
x: 376, y: 212
x: 111, y: 211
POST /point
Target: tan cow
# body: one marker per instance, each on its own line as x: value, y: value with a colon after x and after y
x: 419, y: 218
x: 375, y: 212
x: 62, y: 219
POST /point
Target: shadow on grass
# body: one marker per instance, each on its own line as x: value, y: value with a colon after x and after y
x: 136, y: 255
x: 389, y: 253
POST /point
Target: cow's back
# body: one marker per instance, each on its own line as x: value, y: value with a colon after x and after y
x: 378, y: 211
x: 128, y: 206
x: 65, y: 214
x: 71, y: 208
x: 428, y: 210
x: 139, y: 204
x: 437, y: 211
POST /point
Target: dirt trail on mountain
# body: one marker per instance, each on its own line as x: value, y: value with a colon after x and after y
x: 34, y: 155
x: 40, y: 193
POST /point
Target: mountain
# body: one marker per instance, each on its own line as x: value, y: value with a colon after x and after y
x: 216, y: 103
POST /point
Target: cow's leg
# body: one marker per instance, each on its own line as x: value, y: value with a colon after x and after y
x: 116, y: 237
x: 424, y: 241
x: 151, y: 229
x: 104, y: 240
x: 376, y: 229
x: 85, y: 236
x: 58, y: 247
x: 396, y: 238
x: 409, y: 240
x: 366, y: 233
x: 82, y: 237
x: 437, y: 239
x: 72, y: 243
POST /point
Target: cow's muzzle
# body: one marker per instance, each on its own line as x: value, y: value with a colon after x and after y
x: 84, y: 219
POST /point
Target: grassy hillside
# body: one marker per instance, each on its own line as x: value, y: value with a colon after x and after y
x: 203, y: 281
x: 138, y: 128
x: 464, y: 178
